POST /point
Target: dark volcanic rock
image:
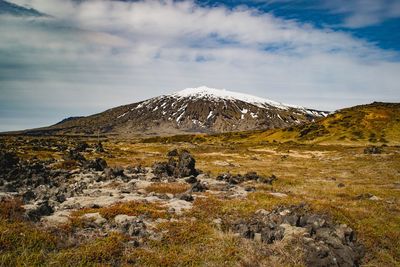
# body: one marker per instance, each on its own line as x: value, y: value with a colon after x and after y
x: 116, y: 172
x: 97, y: 164
x: 8, y: 160
x: 191, y: 180
x: 163, y: 169
x: 74, y: 155
x: 186, y: 197
x: 250, y: 188
x: 186, y: 165
x: 132, y: 226
x: 199, y: 187
x: 181, y: 165
x: 38, y: 210
x: 372, y: 150
x: 98, y: 147
x: 324, y: 242
x: 267, y: 180
x: 173, y: 153
x: 81, y: 147
x: 28, y: 196
x: 250, y: 176
x: 135, y: 170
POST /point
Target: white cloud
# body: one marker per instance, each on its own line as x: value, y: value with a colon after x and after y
x: 100, y: 54
x: 362, y: 13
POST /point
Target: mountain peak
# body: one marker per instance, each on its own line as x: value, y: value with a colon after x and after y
x: 192, y: 110
x: 204, y: 92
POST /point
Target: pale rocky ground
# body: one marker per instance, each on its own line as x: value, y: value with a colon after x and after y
x: 54, y: 197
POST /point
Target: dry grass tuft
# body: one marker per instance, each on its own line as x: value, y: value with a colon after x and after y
x: 21, y: 244
x: 105, y: 251
x: 11, y: 209
x: 188, y: 243
x: 206, y: 208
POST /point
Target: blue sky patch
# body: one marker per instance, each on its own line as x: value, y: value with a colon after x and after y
x: 385, y: 33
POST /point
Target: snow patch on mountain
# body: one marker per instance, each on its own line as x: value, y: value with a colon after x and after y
x: 210, y: 114
x: 122, y: 115
x: 204, y: 92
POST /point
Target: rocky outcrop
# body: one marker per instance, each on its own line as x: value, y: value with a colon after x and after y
x: 97, y: 164
x: 8, y: 160
x: 50, y: 195
x: 180, y: 164
x: 372, y: 150
x: 323, y: 242
x: 250, y: 176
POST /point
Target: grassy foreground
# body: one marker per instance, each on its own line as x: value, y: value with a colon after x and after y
x: 360, y: 190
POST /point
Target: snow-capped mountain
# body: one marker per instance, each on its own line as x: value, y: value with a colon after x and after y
x: 192, y: 110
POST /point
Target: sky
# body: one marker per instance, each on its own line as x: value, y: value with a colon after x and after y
x: 62, y: 58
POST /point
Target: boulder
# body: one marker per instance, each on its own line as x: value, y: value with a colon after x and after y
x: 186, y: 165
x: 250, y: 176
x: 98, y: 147
x: 36, y: 211
x: 8, y: 160
x: 28, y: 196
x: 186, y: 197
x: 372, y: 150
x: 250, y: 189
x: 179, y: 165
x: 97, y: 164
x: 191, y: 180
x: 118, y: 171
x: 267, y: 180
x: 81, y: 146
x: 122, y: 219
x: 173, y: 153
x: 131, y: 225
x: 95, y: 217
x: 75, y: 156
x: 199, y: 187
x: 111, y: 173
x: 163, y: 169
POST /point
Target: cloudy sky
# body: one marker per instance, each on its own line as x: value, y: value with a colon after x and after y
x: 61, y: 58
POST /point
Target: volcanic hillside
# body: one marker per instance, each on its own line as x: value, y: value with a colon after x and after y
x: 377, y: 123
x: 193, y: 110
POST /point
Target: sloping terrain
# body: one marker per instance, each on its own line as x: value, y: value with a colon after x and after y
x: 376, y: 123
x: 193, y: 110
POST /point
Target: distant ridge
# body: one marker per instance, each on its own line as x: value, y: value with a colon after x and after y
x: 69, y: 119
x: 375, y: 123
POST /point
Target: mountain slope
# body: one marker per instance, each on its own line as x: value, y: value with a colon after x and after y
x: 372, y: 124
x: 193, y: 110
x: 376, y: 123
